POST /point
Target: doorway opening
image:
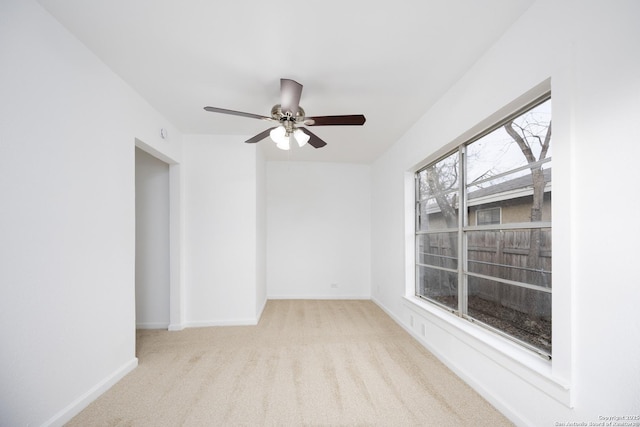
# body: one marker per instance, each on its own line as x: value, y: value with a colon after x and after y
x: 159, y: 286
x: 152, y: 272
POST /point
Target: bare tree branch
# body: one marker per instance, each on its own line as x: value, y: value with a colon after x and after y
x: 524, y: 147
x: 545, y: 144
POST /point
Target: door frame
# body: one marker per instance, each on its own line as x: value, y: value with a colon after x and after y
x: 176, y: 236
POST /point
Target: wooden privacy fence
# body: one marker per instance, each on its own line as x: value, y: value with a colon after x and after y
x: 505, y: 254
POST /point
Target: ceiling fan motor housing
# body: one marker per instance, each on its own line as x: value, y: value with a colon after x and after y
x: 287, y: 119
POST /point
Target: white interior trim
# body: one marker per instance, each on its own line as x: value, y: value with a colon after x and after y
x: 75, y: 407
x: 176, y: 237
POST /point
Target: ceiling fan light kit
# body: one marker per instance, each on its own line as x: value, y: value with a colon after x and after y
x: 280, y: 137
x: 301, y: 137
x: 289, y: 115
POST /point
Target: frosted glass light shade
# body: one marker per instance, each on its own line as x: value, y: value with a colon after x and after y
x: 280, y: 137
x: 301, y: 137
x: 277, y: 134
x: 284, y: 144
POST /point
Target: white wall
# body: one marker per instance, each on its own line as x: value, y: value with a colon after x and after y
x: 261, y: 230
x: 585, y: 51
x: 221, y: 208
x: 67, y: 133
x: 152, y: 241
x: 318, y: 230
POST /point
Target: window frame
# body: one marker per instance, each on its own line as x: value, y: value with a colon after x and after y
x: 463, y: 228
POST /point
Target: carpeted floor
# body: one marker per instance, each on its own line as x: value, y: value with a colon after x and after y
x: 308, y: 362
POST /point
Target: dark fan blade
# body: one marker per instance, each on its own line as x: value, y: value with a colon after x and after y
x: 260, y: 136
x: 290, y: 92
x: 236, y: 113
x: 351, y: 120
x: 314, y: 141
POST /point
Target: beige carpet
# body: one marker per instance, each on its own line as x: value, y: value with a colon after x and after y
x: 342, y: 363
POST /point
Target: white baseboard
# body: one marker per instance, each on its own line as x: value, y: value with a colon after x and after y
x: 320, y: 297
x: 254, y: 321
x: 152, y: 325
x: 75, y: 407
x: 261, y: 310
x: 224, y: 322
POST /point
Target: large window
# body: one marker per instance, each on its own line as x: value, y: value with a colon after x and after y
x: 483, y: 229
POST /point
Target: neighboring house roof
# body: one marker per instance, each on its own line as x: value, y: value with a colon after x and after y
x: 511, y: 189
x: 517, y: 187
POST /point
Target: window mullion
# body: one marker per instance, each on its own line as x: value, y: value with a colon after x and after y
x: 416, y: 179
x: 462, y: 241
x: 417, y: 219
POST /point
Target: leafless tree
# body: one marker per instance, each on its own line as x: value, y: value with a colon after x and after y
x: 441, y: 179
x: 440, y: 182
x: 527, y: 134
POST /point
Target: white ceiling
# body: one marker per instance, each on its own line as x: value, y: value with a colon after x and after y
x: 388, y: 60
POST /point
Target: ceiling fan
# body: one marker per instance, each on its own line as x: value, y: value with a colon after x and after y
x: 290, y: 116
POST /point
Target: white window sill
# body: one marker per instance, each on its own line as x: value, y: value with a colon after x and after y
x: 524, y: 363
